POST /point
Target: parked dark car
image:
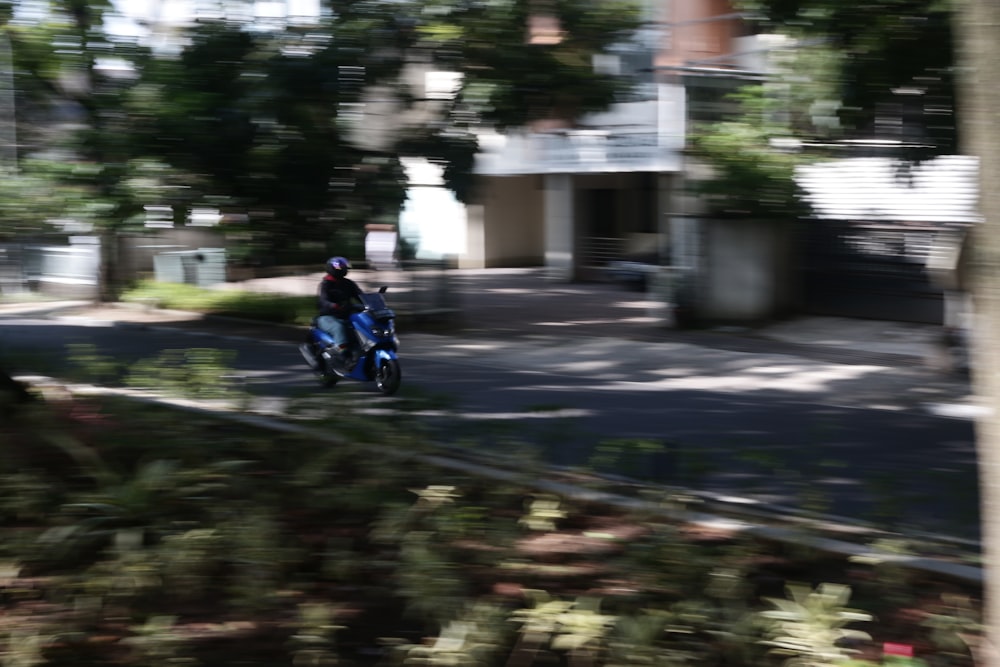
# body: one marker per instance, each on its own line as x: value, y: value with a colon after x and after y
x: 635, y: 274
x: 638, y: 262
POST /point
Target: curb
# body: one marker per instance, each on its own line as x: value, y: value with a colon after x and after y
x: 39, y: 307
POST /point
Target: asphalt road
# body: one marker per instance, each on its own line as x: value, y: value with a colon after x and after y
x: 597, y: 406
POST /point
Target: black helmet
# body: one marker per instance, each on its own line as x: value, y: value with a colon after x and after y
x: 337, y: 267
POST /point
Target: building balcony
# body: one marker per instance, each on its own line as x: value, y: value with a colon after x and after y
x: 632, y: 137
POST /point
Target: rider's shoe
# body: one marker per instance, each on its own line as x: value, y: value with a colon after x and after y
x: 331, y: 352
x: 338, y: 358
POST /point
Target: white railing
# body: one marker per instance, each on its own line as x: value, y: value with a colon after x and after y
x: 580, y: 149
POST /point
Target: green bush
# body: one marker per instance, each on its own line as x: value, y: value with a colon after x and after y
x: 278, y: 308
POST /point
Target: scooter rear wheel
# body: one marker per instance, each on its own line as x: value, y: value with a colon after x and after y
x: 388, y: 377
x: 327, y: 378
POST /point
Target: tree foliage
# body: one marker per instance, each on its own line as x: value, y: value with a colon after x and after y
x: 750, y: 177
x: 255, y: 119
x: 897, y: 61
x: 263, y: 120
x: 512, y: 82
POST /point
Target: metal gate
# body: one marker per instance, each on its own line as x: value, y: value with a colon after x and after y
x: 869, y: 270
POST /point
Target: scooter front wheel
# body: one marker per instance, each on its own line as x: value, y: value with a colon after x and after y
x: 388, y: 376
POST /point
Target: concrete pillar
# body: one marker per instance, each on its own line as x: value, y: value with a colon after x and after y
x: 683, y: 228
x: 559, y: 227
x: 475, y: 238
x: 685, y: 249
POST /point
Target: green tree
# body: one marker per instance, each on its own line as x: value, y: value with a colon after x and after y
x: 508, y: 80
x: 256, y: 121
x: 750, y: 177
x: 82, y: 143
x: 897, y: 56
x: 264, y: 122
x: 261, y: 120
x: 29, y: 202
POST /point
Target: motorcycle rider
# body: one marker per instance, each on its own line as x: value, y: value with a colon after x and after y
x: 338, y: 297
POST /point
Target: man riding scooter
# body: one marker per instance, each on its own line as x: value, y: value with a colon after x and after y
x: 338, y: 296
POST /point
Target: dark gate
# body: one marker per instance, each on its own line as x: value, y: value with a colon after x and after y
x: 869, y: 270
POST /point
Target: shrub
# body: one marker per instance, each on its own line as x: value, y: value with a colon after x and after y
x: 278, y: 308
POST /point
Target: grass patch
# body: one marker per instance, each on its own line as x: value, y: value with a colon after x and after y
x: 29, y: 297
x: 277, y: 308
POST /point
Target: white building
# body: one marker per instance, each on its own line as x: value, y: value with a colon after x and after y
x: 610, y: 187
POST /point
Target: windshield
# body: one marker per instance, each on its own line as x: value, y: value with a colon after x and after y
x: 373, y: 301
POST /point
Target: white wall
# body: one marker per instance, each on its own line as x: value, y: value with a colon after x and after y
x: 560, y: 226
x: 747, y: 274
x: 505, y: 223
x: 136, y: 251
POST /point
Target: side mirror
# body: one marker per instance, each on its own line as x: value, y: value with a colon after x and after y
x: 382, y: 289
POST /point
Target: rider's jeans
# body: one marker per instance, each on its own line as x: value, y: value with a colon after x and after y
x: 334, y: 326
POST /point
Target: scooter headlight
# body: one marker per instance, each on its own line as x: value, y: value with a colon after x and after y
x: 383, y: 331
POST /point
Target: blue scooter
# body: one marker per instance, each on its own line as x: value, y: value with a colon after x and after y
x: 370, y: 354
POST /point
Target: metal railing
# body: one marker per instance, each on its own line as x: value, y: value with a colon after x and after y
x: 597, y: 251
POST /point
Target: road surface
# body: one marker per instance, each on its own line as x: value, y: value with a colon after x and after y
x: 772, y: 428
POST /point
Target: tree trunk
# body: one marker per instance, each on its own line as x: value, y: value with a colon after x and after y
x: 108, y: 288
x: 978, y: 44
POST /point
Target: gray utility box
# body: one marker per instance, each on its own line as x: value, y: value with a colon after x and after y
x: 203, y: 267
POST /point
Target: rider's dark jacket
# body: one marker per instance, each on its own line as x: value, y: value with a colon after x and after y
x: 337, y: 296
